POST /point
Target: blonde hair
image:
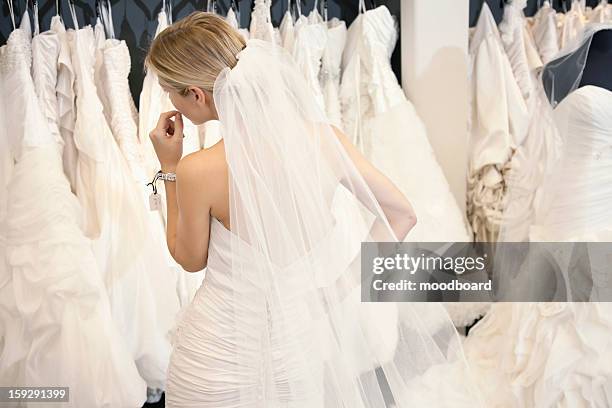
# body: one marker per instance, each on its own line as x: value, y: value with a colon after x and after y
x: 193, y: 51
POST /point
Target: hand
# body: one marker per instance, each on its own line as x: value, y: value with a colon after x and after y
x: 167, y: 139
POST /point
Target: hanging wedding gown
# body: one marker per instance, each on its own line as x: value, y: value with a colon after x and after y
x: 287, y: 32
x: 232, y: 19
x: 154, y: 101
x: 116, y: 219
x: 163, y: 277
x: 386, y: 128
x: 498, y: 123
x: 573, y: 24
x: 261, y: 27
x: 330, y: 70
x: 559, y: 354
x: 64, y: 91
x: 66, y: 336
x: 545, y: 32
x: 602, y: 13
x: 308, y: 48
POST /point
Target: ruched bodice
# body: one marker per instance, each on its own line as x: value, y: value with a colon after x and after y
x: 575, y: 199
x: 215, y: 324
x: 370, y: 42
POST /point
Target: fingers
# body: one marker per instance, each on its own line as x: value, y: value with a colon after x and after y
x: 178, y: 123
x: 162, y: 123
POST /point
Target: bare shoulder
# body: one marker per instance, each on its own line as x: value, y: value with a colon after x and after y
x: 204, y: 168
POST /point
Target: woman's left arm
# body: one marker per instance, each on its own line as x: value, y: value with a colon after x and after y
x: 188, y: 214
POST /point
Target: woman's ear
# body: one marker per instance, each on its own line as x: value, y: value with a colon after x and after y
x: 198, y: 94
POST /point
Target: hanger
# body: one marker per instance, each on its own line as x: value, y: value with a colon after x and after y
x: 11, y: 12
x: 168, y: 7
x: 72, y: 9
x: 324, y: 10
x: 35, y: 16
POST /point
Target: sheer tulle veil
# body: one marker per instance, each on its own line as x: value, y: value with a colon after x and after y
x: 299, y: 210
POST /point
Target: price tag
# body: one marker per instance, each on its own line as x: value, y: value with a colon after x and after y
x: 154, y: 202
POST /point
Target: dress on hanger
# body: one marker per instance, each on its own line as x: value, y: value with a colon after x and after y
x: 520, y: 48
x: 573, y: 24
x: 261, y: 22
x: 384, y: 125
x: 602, y: 13
x: 330, y: 70
x: 117, y: 222
x: 233, y: 21
x: 287, y: 32
x: 64, y: 91
x: 66, y: 336
x: 163, y: 277
x: 559, y: 354
x: 545, y: 32
x: 308, y: 49
x: 498, y: 123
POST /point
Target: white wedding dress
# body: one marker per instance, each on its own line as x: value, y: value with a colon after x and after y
x: 117, y: 221
x: 64, y: 91
x: 329, y: 76
x: 558, y: 354
x: 308, y: 48
x: 386, y: 128
x: 55, y: 313
x: 498, y: 123
x: 163, y: 277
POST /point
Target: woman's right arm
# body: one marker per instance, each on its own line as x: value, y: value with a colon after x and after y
x: 393, y: 202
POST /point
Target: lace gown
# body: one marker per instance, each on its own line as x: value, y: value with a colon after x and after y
x: 559, y: 354
x: 117, y: 221
x: 308, y: 48
x: 60, y: 331
x: 329, y: 76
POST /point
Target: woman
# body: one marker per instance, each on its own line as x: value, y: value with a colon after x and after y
x: 277, y: 211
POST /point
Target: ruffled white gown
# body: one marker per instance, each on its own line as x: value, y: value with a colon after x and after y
x: 573, y: 24
x: 544, y: 31
x: 558, y: 354
x: 64, y: 91
x: 498, y: 122
x: 60, y: 331
x: 385, y: 126
x: 117, y: 220
x: 162, y: 277
x: 308, y: 48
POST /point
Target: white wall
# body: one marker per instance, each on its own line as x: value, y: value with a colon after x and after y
x: 434, y: 36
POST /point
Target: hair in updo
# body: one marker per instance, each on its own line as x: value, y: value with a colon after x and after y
x: 193, y: 51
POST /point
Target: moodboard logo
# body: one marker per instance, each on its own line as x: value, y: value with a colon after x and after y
x: 486, y: 272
